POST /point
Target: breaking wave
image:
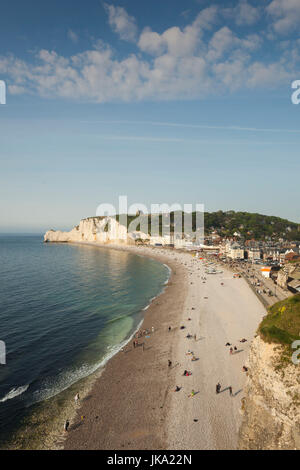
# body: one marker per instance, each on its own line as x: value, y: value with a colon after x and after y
x: 14, y: 392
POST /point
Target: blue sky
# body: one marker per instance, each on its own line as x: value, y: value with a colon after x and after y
x: 162, y: 101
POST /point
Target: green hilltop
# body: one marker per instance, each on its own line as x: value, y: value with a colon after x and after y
x: 249, y: 225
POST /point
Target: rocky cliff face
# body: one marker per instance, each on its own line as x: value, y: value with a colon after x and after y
x: 285, y: 273
x: 94, y: 229
x: 271, y: 407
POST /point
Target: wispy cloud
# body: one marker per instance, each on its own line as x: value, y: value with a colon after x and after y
x: 196, y: 126
x: 122, y: 23
x: 138, y: 138
x: 73, y: 36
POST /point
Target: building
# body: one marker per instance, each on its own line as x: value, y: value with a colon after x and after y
x: 266, y: 271
x: 253, y: 254
x: 236, y: 252
x: 294, y: 286
x: 158, y: 241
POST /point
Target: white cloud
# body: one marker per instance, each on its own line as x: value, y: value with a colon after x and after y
x: 245, y: 13
x: 175, y: 41
x: 224, y: 41
x: 200, y: 59
x: 285, y: 14
x: 121, y: 22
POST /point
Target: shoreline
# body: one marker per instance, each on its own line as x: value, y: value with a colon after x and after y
x: 117, y: 399
x: 130, y: 404
x: 48, y: 432
x: 133, y: 404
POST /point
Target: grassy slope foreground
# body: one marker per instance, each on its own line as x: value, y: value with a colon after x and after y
x: 282, y: 325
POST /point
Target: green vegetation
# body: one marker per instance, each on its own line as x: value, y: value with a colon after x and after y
x: 249, y: 225
x: 282, y: 324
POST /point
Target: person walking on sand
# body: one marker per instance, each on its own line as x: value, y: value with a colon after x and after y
x: 230, y: 391
x: 218, y: 388
x: 192, y: 394
x: 66, y: 425
x: 77, y: 398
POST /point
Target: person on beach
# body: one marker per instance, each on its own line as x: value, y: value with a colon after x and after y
x: 152, y: 329
x: 235, y: 348
x: 230, y: 390
x: 169, y: 328
x: 177, y: 389
x: 231, y: 351
x: 169, y: 363
x: 218, y: 388
x: 245, y: 369
x: 66, y: 425
x: 77, y: 398
x: 192, y: 394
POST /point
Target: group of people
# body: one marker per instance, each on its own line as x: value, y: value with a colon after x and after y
x: 145, y: 332
x: 218, y: 389
x: 234, y: 350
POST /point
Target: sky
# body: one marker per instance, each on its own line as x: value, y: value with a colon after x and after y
x: 165, y: 102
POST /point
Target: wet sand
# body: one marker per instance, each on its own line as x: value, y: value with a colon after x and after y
x: 133, y: 404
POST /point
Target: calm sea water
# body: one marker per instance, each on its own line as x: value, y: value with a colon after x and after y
x: 64, y: 309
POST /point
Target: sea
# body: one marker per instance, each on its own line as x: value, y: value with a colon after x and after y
x: 65, y: 310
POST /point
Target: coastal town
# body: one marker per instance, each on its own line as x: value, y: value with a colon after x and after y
x: 271, y: 266
x: 269, y: 263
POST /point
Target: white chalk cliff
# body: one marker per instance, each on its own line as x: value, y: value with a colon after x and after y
x: 271, y: 412
x: 93, y: 229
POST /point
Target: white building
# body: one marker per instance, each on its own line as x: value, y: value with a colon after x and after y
x: 253, y: 254
x: 235, y: 252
